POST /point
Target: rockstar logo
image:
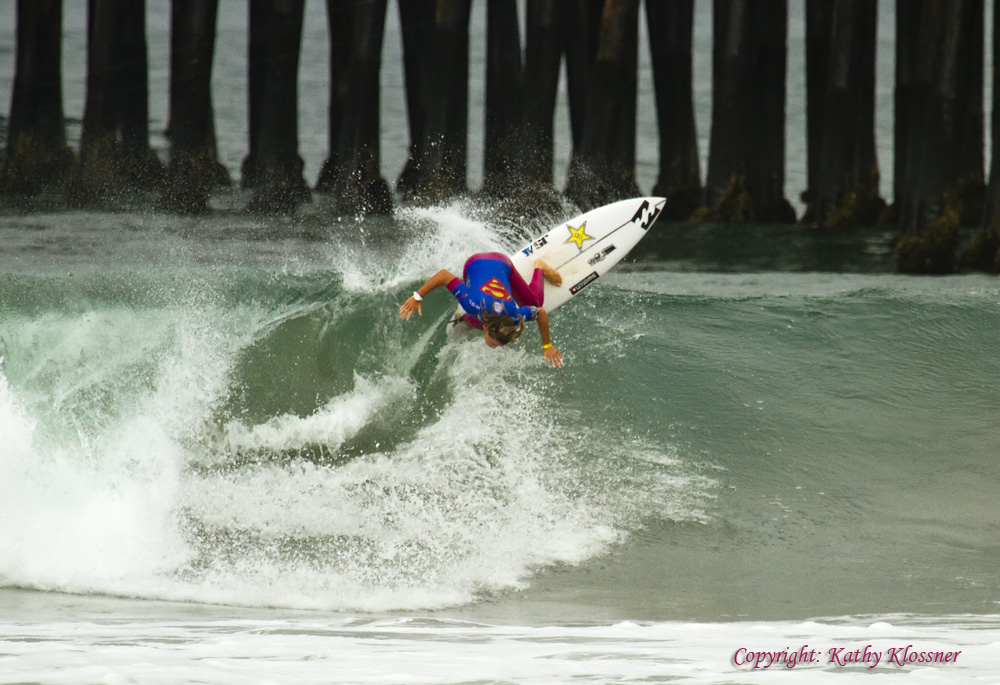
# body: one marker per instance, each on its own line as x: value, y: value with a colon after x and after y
x: 578, y: 235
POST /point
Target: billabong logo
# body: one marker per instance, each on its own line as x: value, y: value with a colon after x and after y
x: 645, y: 216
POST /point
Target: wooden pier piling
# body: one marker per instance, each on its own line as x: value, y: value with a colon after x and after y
x: 273, y: 168
x: 352, y: 172
x: 115, y: 156
x: 843, y: 173
x: 194, y: 168
x: 746, y: 164
x: 942, y: 181
x: 37, y: 153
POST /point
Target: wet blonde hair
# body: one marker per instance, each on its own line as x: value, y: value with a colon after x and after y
x: 501, y: 327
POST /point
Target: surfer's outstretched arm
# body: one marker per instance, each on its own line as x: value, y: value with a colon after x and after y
x: 551, y: 354
x: 442, y: 277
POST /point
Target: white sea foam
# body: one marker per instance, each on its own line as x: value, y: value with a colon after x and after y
x: 415, y: 650
x: 91, y: 506
x: 330, y: 425
x: 471, y: 504
x: 16, y: 426
x: 73, y: 522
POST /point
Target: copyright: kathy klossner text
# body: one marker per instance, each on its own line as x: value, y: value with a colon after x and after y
x: 842, y: 656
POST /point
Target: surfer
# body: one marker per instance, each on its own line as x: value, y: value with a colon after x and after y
x: 495, y: 299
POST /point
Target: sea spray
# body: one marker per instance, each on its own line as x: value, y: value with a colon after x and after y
x: 116, y: 398
x: 78, y: 522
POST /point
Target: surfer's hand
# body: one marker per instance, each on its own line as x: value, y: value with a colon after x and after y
x: 410, y: 306
x: 553, y: 357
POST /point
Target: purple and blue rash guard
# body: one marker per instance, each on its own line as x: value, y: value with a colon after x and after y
x: 492, y: 284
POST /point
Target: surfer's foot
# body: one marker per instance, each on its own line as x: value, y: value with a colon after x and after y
x: 551, y: 275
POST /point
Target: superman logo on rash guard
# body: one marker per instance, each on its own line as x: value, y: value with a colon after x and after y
x: 494, y: 288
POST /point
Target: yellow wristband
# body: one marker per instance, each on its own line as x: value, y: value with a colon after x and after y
x: 546, y: 346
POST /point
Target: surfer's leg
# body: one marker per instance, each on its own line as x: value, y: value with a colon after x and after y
x: 551, y: 275
x: 532, y: 294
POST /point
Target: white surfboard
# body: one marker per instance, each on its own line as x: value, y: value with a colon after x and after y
x: 584, y: 248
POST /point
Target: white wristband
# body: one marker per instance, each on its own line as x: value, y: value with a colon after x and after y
x: 417, y: 297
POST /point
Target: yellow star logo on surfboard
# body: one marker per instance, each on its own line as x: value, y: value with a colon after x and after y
x: 578, y: 235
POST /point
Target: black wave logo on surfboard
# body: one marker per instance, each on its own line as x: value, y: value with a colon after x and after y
x: 644, y: 216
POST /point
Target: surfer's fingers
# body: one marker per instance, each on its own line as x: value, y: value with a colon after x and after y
x: 406, y: 311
